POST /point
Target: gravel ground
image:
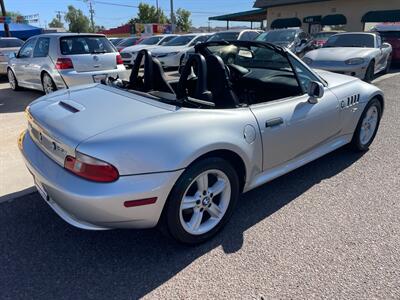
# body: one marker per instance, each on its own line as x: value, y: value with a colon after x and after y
x: 330, y: 229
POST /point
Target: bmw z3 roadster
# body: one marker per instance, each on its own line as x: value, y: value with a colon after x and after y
x: 150, y: 152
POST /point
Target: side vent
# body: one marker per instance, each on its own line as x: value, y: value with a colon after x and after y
x: 70, y: 106
x: 352, y: 100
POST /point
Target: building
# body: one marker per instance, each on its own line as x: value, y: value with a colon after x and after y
x: 313, y: 15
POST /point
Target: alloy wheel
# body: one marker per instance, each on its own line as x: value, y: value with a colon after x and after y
x: 11, y: 79
x: 368, y: 125
x: 48, y: 85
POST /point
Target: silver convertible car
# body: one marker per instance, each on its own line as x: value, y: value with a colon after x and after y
x: 147, y: 152
x: 360, y: 54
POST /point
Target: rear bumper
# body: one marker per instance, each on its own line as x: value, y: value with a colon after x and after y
x: 98, y: 206
x: 73, y: 78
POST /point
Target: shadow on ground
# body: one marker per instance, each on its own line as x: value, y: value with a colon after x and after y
x: 43, y: 257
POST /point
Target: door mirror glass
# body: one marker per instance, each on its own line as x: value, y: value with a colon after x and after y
x: 315, y: 91
x: 385, y: 45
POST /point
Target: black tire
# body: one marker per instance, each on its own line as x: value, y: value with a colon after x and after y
x: 388, y: 65
x: 48, y: 84
x: 14, y: 86
x: 170, y: 222
x: 370, y: 73
x: 356, y: 143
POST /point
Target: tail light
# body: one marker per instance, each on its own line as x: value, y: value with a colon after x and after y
x: 64, y: 63
x: 91, y: 168
x: 119, y: 60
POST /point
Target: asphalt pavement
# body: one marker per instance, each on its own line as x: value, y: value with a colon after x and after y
x: 330, y: 229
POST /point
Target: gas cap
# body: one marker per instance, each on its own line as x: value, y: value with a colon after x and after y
x: 249, y: 133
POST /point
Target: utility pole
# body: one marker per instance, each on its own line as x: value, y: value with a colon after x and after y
x: 58, y: 15
x: 172, y: 16
x: 4, y: 13
x: 158, y: 12
x: 91, y: 11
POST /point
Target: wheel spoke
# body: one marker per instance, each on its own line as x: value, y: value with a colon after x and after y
x: 196, y: 219
x: 202, y: 182
x: 189, y: 202
x: 214, y: 211
x: 218, y: 187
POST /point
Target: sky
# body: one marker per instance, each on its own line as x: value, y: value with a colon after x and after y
x: 114, y: 15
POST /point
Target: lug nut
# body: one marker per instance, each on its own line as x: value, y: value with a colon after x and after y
x: 204, y: 193
x: 201, y: 209
x: 211, y: 195
x: 209, y: 205
x: 198, y: 202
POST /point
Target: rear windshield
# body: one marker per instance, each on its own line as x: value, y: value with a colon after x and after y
x: 10, y: 43
x: 72, y: 45
x: 224, y: 36
x: 351, y: 40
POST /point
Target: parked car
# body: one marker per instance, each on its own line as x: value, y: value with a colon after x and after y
x: 233, y: 35
x: 322, y: 37
x: 358, y: 54
x: 49, y: 62
x: 171, y: 54
x: 130, y: 41
x: 296, y: 40
x: 8, y: 47
x: 148, y: 152
x: 129, y: 53
x: 115, y: 41
x: 390, y: 33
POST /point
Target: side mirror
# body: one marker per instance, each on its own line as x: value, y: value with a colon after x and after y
x: 315, y: 91
x: 386, y: 45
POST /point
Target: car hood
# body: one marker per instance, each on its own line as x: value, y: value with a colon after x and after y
x: 338, y: 53
x: 169, y: 49
x: 335, y: 79
x: 9, y: 50
x: 73, y: 116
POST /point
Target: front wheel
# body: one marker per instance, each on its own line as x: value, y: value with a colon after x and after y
x: 202, y: 201
x: 367, y: 126
x: 370, y: 72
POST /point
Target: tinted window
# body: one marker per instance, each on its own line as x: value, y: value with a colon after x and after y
x: 27, y: 49
x: 224, y: 36
x: 180, y: 40
x: 200, y: 39
x: 128, y: 42
x: 115, y: 42
x: 303, y: 74
x: 351, y: 40
x: 151, y: 41
x: 323, y: 35
x: 10, y: 43
x: 85, y: 45
x: 166, y: 40
x: 277, y: 36
x: 42, y: 47
x: 387, y: 35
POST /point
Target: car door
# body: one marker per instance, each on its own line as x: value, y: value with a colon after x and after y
x: 21, y: 63
x: 39, y: 60
x: 295, y: 126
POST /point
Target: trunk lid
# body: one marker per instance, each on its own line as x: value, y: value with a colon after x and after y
x: 71, y: 117
x: 94, y: 62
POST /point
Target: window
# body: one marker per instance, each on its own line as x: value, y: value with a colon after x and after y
x: 42, y: 47
x: 10, y: 43
x: 27, y: 49
x: 351, y: 40
x: 276, y: 36
x: 378, y: 41
x: 304, y: 75
x: 128, y: 42
x: 224, y: 36
x: 167, y: 39
x: 151, y: 40
x: 85, y: 45
x: 180, y: 40
x: 200, y: 39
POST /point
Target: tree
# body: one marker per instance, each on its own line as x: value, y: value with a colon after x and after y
x: 183, y: 21
x: 56, y: 23
x: 149, y: 14
x: 77, y: 21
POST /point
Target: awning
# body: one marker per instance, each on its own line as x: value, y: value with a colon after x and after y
x: 381, y: 16
x: 22, y: 31
x: 312, y: 19
x: 244, y: 16
x: 286, y: 23
x: 334, y: 20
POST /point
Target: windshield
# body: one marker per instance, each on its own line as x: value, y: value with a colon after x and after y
x: 180, y: 40
x: 151, y: 40
x: 85, y: 45
x: 224, y: 36
x: 128, y: 42
x: 286, y: 36
x: 10, y: 43
x: 351, y: 40
x: 323, y: 35
x: 167, y: 39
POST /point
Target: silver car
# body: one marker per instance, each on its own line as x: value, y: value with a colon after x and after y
x: 49, y: 62
x: 359, y: 54
x: 8, y: 47
x: 148, y: 152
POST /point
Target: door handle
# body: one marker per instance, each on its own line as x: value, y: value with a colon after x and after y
x: 274, y: 122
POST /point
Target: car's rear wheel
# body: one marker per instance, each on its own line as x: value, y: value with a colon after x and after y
x: 367, y: 126
x: 370, y: 72
x: 12, y: 79
x: 201, y: 201
x: 48, y: 84
x: 388, y: 65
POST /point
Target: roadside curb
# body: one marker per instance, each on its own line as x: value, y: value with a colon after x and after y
x: 18, y: 194
x: 384, y: 77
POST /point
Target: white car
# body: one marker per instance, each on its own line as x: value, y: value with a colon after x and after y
x: 171, y: 53
x: 129, y: 53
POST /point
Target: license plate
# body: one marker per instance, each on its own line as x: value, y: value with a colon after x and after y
x: 41, y: 190
x: 99, y: 78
